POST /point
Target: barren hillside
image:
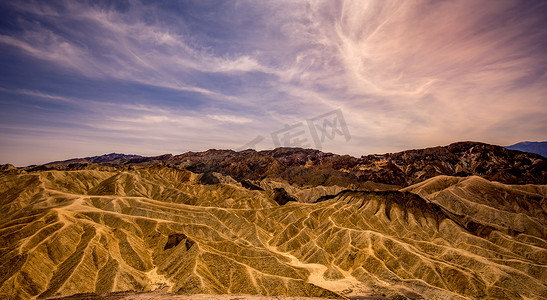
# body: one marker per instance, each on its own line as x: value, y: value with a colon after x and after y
x: 104, y: 229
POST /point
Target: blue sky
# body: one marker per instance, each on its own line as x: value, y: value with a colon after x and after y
x: 151, y: 77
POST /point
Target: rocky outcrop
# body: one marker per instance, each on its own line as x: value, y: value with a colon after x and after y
x: 308, y: 168
x: 459, y: 159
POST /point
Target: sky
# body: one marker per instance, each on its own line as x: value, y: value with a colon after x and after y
x: 360, y: 77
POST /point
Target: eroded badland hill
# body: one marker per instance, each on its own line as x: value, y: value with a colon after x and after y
x: 466, y: 221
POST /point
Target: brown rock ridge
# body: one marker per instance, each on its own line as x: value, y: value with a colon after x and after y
x: 310, y: 168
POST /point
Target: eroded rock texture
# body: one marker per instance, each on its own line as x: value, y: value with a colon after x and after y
x: 106, y: 229
x: 312, y: 168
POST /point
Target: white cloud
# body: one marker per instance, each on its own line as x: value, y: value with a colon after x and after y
x: 405, y: 74
x: 230, y: 119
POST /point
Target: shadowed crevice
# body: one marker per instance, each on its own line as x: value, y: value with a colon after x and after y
x: 282, y: 197
x: 175, y: 239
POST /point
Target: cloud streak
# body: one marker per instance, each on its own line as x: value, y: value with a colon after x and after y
x: 198, y: 75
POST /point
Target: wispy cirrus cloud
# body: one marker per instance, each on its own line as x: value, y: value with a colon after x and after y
x: 405, y: 74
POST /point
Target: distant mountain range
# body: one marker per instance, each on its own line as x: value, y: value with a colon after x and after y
x: 105, y: 158
x: 313, y: 167
x: 532, y: 147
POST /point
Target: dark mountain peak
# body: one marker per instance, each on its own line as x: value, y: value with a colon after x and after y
x: 109, y: 157
x: 458, y: 159
x: 531, y: 147
x: 149, y: 160
x: 100, y: 159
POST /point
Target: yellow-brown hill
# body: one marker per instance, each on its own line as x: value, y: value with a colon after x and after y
x: 106, y: 229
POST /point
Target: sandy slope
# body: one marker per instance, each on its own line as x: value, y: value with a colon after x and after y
x: 91, y: 231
